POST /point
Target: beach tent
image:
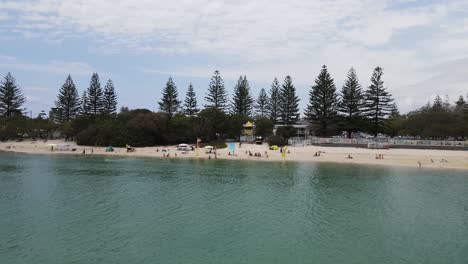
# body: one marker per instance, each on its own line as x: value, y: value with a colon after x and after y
x: 110, y: 149
x: 208, y: 149
x: 274, y: 147
x: 63, y: 147
x: 183, y: 146
x: 52, y: 147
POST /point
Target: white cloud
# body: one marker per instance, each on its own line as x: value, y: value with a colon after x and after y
x: 54, y: 67
x: 264, y: 38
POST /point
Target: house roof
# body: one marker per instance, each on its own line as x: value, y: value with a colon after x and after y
x: 248, y: 124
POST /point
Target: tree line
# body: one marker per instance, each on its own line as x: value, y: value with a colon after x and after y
x: 92, y: 119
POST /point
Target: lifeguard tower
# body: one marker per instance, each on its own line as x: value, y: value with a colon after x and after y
x: 248, y: 131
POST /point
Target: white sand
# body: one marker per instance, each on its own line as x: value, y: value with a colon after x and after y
x: 400, y: 157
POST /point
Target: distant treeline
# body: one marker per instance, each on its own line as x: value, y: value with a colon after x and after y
x: 92, y: 119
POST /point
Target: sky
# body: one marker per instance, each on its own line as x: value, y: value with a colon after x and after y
x: 421, y: 45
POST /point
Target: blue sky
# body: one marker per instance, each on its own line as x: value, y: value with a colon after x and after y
x: 422, y: 45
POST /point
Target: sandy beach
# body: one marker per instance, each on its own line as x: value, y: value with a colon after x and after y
x: 395, y: 157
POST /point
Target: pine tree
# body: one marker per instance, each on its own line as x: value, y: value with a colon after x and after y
x: 378, y: 101
x: 446, y: 104
x: 217, y: 96
x: 262, y: 103
x: 109, y: 99
x: 169, y: 102
x: 68, y: 100
x: 323, y: 101
x: 242, y: 101
x: 274, y: 101
x: 351, y: 105
x: 11, y: 97
x: 289, y: 102
x: 438, y: 104
x: 190, y: 103
x: 95, y: 96
x: 460, y: 104
x: 394, y: 110
x: 84, y: 104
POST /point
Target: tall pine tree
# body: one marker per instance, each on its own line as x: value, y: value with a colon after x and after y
x: 262, y: 104
x: 109, y: 99
x: 217, y: 96
x: 460, y: 104
x: 11, y: 97
x: 352, y: 102
x: 68, y: 100
x: 289, y: 102
x: 274, y: 102
x: 438, y: 104
x: 94, y: 98
x: 242, y: 101
x: 190, y: 103
x: 378, y: 102
x: 323, y: 102
x: 169, y: 102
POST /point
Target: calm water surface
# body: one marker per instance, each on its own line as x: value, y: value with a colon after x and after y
x: 124, y: 210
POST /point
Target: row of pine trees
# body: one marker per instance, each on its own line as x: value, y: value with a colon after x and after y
x: 326, y: 107
x: 352, y: 109
x: 95, y: 99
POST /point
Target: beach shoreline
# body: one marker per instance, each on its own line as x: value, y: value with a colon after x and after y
x: 434, y: 159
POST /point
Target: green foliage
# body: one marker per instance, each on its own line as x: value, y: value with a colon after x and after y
x: 378, y: 102
x: 277, y: 140
x: 263, y: 126
x: 137, y: 128
x: 217, y: 95
x: 109, y: 99
x: 181, y: 129
x: 13, y: 127
x: 434, y: 122
x: 233, y: 125
x: 169, y: 102
x: 190, y: 104
x: 242, y: 101
x: 289, y: 102
x: 323, y: 102
x: 274, y: 102
x: 19, y: 127
x: 211, y: 120
x: 11, y: 97
x: 68, y: 100
x: 286, y: 132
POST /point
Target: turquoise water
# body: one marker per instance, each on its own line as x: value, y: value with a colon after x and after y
x: 124, y: 210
